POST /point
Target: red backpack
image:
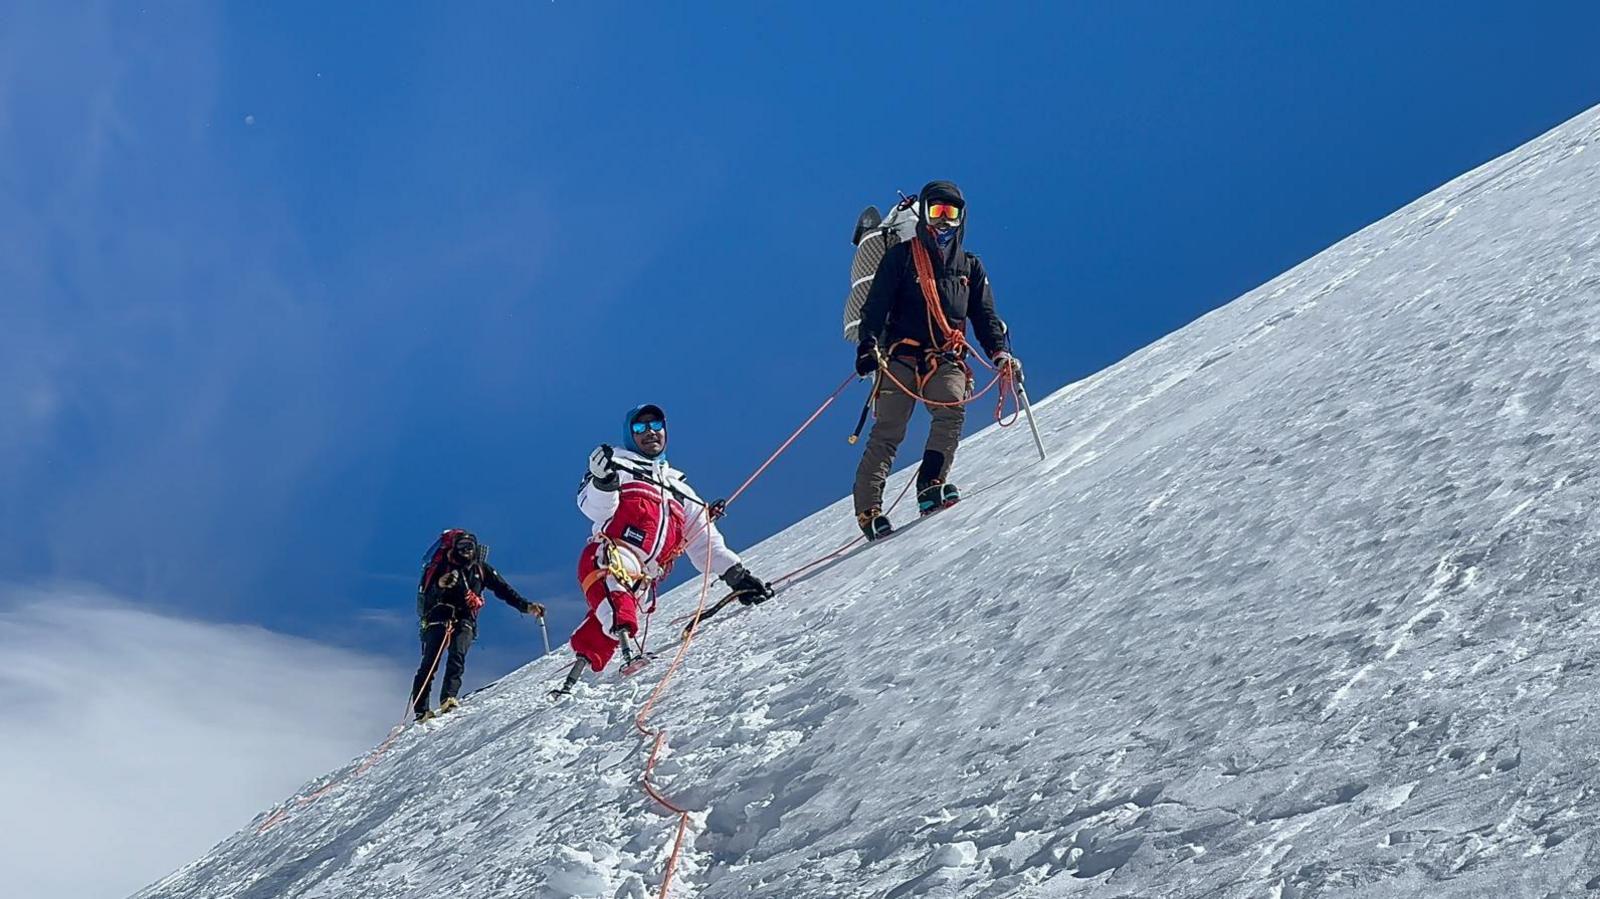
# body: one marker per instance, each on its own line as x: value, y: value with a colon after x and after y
x: 433, y: 559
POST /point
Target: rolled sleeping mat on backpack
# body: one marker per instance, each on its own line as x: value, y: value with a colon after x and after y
x: 862, y: 269
x: 900, y: 226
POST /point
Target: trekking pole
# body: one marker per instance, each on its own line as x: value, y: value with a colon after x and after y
x: 1027, y: 407
x: 644, y: 476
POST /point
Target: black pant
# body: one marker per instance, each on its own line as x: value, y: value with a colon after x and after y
x: 456, y: 662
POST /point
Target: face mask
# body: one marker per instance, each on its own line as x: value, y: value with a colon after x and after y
x: 944, y: 236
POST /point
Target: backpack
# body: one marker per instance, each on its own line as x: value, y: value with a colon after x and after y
x: 874, y: 235
x: 435, y: 558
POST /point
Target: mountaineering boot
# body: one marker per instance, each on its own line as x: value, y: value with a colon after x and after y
x: 424, y: 714
x: 874, y: 523
x: 935, y: 496
x: 450, y: 704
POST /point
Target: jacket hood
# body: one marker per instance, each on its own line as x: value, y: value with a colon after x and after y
x: 627, y: 427
x: 941, y: 190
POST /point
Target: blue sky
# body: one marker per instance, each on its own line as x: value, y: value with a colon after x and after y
x: 290, y: 287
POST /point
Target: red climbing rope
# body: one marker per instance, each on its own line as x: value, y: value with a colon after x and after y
x: 916, y: 395
x: 372, y: 757
x: 1008, y: 385
x: 1004, y: 378
x: 823, y: 560
x: 792, y: 438
x: 953, y: 346
x: 658, y: 735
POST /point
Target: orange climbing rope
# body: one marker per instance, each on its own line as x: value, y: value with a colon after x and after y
x: 372, y: 757
x: 788, y: 576
x: 658, y: 735
x: 1004, y: 378
x: 953, y: 346
x: 792, y: 438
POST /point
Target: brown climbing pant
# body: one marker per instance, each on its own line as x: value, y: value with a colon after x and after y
x: 947, y: 385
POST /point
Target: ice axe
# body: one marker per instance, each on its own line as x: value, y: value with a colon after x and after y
x: 866, y: 408
x: 544, y: 631
x: 877, y: 382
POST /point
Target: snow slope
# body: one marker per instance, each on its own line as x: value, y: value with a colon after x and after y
x: 1302, y: 605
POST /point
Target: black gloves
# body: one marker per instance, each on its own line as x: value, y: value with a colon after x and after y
x: 866, y: 357
x: 747, y: 586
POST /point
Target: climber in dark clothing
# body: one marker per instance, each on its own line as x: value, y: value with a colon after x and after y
x: 448, y: 599
x: 917, y: 335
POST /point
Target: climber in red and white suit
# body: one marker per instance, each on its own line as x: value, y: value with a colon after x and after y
x: 645, y: 516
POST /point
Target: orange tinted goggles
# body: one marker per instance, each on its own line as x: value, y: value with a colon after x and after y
x: 945, y: 211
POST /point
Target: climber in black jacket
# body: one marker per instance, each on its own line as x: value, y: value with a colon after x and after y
x: 448, y: 599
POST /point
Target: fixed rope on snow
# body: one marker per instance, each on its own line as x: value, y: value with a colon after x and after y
x: 372, y: 757
x: 693, y: 619
x: 1005, y: 380
x: 658, y: 735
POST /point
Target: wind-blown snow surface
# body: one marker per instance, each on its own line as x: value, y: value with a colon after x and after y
x: 1302, y: 605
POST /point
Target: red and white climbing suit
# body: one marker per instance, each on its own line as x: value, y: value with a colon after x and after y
x: 640, y: 529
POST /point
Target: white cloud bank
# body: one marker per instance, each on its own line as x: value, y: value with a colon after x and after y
x: 132, y: 742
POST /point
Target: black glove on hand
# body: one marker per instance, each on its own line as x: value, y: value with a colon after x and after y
x: 866, y: 357
x: 748, y: 587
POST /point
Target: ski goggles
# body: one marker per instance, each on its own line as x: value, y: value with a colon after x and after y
x: 639, y: 427
x: 944, y: 211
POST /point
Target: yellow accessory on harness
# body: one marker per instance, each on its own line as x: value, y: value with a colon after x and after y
x: 621, y: 563
x: 624, y: 566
